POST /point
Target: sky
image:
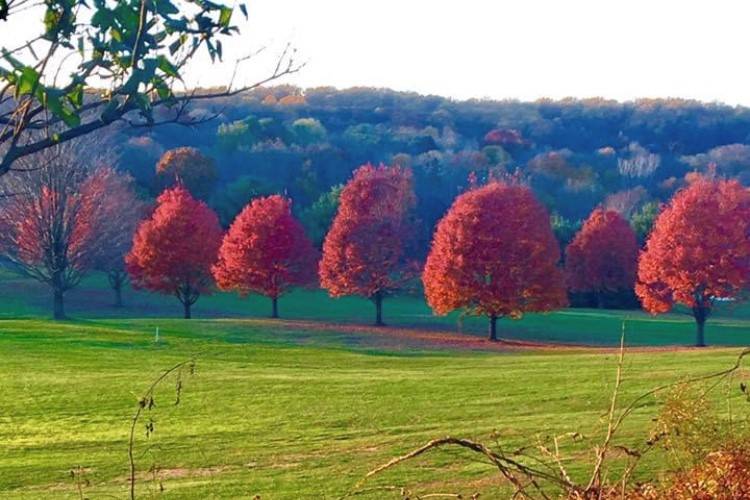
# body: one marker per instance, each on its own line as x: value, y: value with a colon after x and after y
x: 519, y: 49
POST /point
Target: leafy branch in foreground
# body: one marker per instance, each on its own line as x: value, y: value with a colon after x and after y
x: 543, y: 475
x: 123, y: 59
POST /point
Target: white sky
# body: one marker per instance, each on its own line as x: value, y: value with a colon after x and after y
x: 521, y: 49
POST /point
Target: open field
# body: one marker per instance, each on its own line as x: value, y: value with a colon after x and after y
x: 299, y: 410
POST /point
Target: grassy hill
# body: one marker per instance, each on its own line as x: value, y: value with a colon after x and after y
x: 284, y: 410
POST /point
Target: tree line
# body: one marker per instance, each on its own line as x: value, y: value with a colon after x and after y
x: 494, y: 253
x: 576, y: 154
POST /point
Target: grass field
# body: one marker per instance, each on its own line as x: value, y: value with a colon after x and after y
x: 286, y: 411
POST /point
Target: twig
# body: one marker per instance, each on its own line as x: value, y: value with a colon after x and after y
x: 145, y: 402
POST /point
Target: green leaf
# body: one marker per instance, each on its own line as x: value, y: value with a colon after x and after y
x: 51, y: 19
x: 162, y: 89
x: 71, y: 118
x: 54, y: 104
x: 28, y: 81
x: 167, y: 67
x: 175, y: 46
x: 75, y: 96
x: 243, y: 8
x: 166, y: 8
x: 225, y: 17
x: 103, y: 18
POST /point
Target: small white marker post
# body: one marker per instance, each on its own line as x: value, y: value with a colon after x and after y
x: 156, y: 339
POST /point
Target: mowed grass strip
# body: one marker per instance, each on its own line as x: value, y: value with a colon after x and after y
x: 729, y: 325
x: 291, y: 414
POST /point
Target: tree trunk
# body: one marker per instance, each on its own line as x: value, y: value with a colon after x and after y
x: 700, y: 313
x: 58, y: 306
x: 187, y: 305
x: 118, y: 294
x: 699, y: 333
x: 274, y: 307
x: 493, y: 328
x: 378, y: 309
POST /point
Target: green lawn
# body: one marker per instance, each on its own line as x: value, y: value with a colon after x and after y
x: 293, y: 413
x: 730, y: 325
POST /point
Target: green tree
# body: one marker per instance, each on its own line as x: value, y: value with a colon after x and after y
x: 643, y: 220
x: 240, y: 134
x: 308, y: 131
x: 564, y: 229
x: 317, y: 217
x: 230, y: 200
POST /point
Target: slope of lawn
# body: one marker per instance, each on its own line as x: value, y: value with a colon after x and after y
x: 286, y: 414
x: 283, y: 410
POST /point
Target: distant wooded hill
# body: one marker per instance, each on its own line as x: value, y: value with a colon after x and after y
x: 576, y: 154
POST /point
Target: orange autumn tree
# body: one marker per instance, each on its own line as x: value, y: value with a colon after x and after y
x: 174, y: 249
x: 494, y: 254
x: 189, y: 167
x: 266, y: 251
x: 364, y: 251
x: 698, y: 251
x: 603, y: 255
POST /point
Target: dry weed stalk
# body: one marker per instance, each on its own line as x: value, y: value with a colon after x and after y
x: 147, y: 403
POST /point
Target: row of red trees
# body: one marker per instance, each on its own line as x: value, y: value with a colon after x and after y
x: 266, y: 251
x: 493, y: 254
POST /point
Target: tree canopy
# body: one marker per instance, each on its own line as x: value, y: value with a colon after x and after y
x: 698, y: 251
x: 494, y: 254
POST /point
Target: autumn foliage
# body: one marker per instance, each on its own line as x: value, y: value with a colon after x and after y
x: 266, y: 251
x: 698, y: 251
x: 174, y: 249
x: 494, y: 254
x: 64, y: 220
x: 189, y: 167
x: 364, y: 251
x: 117, y: 219
x: 603, y: 255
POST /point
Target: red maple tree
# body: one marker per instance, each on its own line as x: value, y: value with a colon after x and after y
x: 364, y: 251
x: 698, y: 250
x: 266, y: 251
x: 603, y: 255
x: 174, y: 249
x: 494, y: 254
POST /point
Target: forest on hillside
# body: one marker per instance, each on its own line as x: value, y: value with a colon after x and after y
x: 575, y: 154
